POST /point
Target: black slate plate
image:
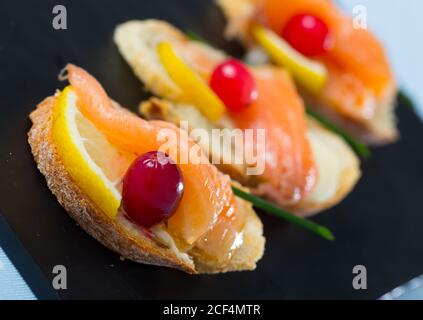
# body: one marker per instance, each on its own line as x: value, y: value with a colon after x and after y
x: 378, y: 226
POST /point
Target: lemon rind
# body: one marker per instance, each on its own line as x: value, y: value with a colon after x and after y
x: 87, y: 175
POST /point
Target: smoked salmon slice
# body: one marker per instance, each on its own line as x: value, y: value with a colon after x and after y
x: 208, y: 200
x: 290, y: 171
x: 354, y: 50
x: 360, y: 89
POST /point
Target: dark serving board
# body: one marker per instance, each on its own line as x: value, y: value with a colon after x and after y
x: 379, y: 225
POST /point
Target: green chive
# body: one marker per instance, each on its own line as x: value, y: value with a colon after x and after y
x: 405, y: 100
x: 194, y: 36
x: 361, y: 149
x: 278, y: 212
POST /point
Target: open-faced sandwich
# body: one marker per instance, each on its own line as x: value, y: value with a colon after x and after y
x: 104, y: 165
x: 339, y: 65
x: 306, y: 167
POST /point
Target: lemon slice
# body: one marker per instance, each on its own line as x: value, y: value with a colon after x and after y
x: 311, y: 74
x: 195, y: 90
x: 94, y: 164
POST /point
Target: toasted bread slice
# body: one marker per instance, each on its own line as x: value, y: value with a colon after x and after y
x: 239, y: 14
x: 137, y: 41
x: 119, y: 234
x: 379, y: 130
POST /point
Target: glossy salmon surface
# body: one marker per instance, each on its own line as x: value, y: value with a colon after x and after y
x: 358, y: 67
x: 290, y: 171
x: 208, y: 199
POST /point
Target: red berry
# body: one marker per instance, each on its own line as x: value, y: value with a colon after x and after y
x: 308, y: 34
x: 234, y: 84
x: 152, y: 189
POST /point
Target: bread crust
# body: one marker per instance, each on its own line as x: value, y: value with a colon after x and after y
x: 137, y: 41
x: 350, y: 175
x: 119, y: 234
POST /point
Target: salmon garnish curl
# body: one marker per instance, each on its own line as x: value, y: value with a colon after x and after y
x: 208, y: 197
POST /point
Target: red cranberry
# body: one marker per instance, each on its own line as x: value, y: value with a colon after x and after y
x: 308, y: 34
x: 152, y: 189
x: 234, y: 84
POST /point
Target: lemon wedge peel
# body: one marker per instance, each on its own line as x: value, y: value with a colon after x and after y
x: 83, y: 170
x: 310, y: 74
x: 195, y: 90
